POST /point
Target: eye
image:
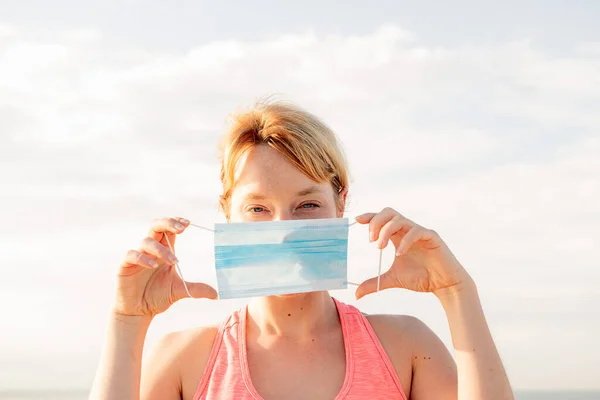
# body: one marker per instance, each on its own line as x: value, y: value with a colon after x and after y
x: 309, y: 205
x: 256, y: 209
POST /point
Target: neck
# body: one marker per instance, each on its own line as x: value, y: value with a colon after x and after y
x: 299, y: 315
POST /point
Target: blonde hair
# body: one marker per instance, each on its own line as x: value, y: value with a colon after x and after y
x: 301, y: 137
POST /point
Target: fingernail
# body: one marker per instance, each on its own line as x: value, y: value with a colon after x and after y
x: 178, y: 225
x: 372, y: 236
x: 185, y: 221
x: 399, y: 252
x: 153, y: 264
x: 173, y: 259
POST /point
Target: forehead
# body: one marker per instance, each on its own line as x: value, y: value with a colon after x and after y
x: 263, y: 169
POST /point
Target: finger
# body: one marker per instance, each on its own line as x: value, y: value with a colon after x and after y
x: 170, y: 226
x: 370, y: 285
x: 378, y: 221
x: 134, y: 257
x: 198, y: 290
x: 397, y: 225
x: 414, y: 235
x: 365, y: 218
x: 152, y: 247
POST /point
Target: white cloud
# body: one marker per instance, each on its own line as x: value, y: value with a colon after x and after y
x: 497, y: 148
x: 7, y: 31
x: 82, y: 35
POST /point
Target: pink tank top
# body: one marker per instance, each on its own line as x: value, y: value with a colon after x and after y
x: 369, y: 371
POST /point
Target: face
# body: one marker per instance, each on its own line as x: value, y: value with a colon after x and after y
x: 270, y: 188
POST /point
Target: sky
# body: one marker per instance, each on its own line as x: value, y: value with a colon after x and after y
x: 479, y: 121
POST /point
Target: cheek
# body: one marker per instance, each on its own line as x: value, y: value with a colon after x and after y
x: 236, y: 217
x: 340, y: 205
x: 233, y: 212
x: 331, y: 210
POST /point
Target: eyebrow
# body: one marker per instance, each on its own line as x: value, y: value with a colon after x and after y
x: 254, y: 196
x: 310, y: 190
x: 304, y: 192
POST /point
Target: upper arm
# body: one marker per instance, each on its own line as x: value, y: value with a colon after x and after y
x: 423, y: 364
x: 434, y: 369
x: 163, y: 370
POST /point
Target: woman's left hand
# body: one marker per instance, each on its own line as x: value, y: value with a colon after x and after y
x: 423, y: 262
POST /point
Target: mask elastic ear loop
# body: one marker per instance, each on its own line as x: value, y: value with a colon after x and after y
x: 379, y: 269
x: 177, y: 264
x: 178, y: 269
x: 202, y: 227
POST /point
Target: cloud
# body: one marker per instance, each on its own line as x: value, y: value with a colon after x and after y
x: 494, y: 147
x: 7, y: 31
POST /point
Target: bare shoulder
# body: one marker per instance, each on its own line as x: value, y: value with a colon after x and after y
x: 178, y: 344
x: 403, y: 331
x: 177, y: 362
x: 409, y: 343
x: 404, y: 323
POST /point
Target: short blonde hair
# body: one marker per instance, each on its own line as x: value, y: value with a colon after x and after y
x: 301, y: 137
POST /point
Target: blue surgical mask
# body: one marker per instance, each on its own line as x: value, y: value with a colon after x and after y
x: 281, y: 257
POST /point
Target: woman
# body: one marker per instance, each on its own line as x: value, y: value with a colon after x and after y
x: 282, y: 163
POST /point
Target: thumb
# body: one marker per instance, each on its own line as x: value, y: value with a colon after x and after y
x: 198, y: 290
x: 370, y: 285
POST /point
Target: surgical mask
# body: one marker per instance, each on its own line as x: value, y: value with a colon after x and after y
x: 281, y: 257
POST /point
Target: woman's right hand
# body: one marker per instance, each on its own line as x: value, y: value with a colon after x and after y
x: 148, y: 282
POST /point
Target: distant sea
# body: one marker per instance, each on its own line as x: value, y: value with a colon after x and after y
x: 25, y: 395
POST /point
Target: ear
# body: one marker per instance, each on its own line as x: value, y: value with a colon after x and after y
x: 342, y: 196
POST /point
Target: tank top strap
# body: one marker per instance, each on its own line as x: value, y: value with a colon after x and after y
x: 225, y: 344
x: 368, y: 354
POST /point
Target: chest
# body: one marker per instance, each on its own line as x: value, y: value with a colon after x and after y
x: 315, y: 369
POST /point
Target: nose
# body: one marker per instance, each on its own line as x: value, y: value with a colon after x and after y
x: 283, y: 216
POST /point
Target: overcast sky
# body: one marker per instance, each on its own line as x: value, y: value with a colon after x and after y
x: 479, y: 121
